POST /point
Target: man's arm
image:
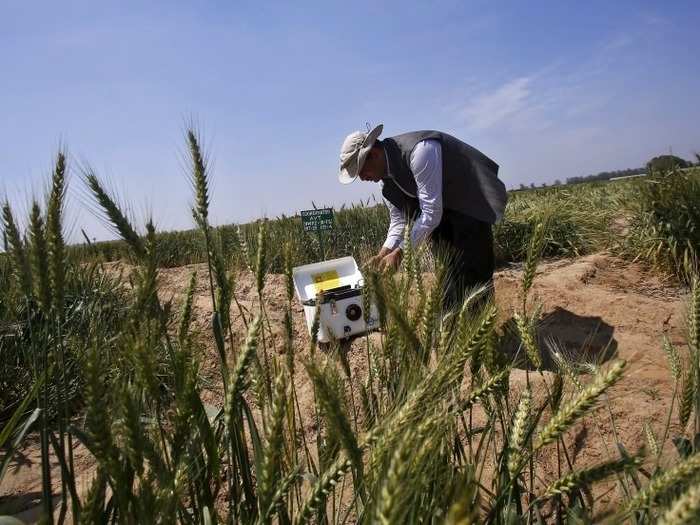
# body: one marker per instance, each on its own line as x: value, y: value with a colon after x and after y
x: 426, y: 166
x: 397, y: 224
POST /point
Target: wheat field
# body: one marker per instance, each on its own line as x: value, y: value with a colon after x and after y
x: 432, y: 430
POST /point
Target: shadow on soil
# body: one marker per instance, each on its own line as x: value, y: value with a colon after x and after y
x: 580, y: 339
x: 25, y: 507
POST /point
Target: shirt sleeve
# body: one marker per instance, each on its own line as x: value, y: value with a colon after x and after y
x: 426, y: 166
x: 397, y: 223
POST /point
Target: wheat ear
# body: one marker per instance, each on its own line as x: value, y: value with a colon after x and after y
x: 685, y: 510
x: 665, y: 482
x: 54, y: 232
x: 525, y: 329
x: 186, y: 316
x: 582, y: 478
x: 577, y: 407
x: 685, y: 406
x: 17, y: 249
x: 331, y: 404
x: 518, y: 433
x: 272, y: 457
x: 238, y: 380
x: 330, y: 478
x: 40, y: 257
x: 114, y: 214
x: 534, y: 251
x: 674, y: 360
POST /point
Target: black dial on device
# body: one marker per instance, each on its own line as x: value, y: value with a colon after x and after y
x: 353, y: 312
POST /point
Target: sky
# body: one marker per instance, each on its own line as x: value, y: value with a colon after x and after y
x: 549, y: 90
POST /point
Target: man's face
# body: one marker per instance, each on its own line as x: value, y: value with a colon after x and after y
x: 374, y: 166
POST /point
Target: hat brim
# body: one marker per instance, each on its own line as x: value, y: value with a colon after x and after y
x: 348, y: 174
x: 345, y: 177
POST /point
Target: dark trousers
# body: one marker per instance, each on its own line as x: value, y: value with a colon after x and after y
x: 467, y: 244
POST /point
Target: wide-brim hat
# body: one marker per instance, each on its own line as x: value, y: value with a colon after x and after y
x: 354, y: 151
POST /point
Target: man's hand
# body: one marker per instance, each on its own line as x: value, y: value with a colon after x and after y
x: 375, y: 261
x: 391, y: 261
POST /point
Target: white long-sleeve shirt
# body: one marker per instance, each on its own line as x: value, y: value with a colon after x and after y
x: 426, y: 166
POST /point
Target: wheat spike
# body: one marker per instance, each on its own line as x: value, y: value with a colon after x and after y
x: 557, y: 392
x: 407, y: 457
x: 186, y: 316
x: 237, y: 382
x: 582, y: 478
x: 528, y: 340
x: 408, y: 253
x: 665, y: 482
x: 534, y: 251
x: 489, y: 386
x: 518, y: 431
x: 674, y: 360
x: 687, y: 399
x: 435, y: 385
x: 289, y: 278
x: 283, y: 488
x: 129, y: 428
x: 428, y: 318
x: 261, y: 259
x: 566, y: 367
x: 40, y: 257
x: 577, y: 407
x: 273, y: 454
x: 651, y: 439
x: 54, y: 233
x: 329, y: 479
x: 694, y: 318
x: 338, y: 421
x: 200, y: 180
x: 367, y: 301
x: 17, y: 249
x: 685, y: 510
x: 115, y: 216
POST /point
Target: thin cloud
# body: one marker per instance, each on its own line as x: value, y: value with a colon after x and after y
x: 491, y: 109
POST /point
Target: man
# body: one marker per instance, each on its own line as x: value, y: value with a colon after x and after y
x: 450, y: 189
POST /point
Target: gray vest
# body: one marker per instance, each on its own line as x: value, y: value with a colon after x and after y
x: 470, y: 183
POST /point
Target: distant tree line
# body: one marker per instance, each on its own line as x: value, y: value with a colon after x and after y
x: 605, y: 175
x: 660, y: 163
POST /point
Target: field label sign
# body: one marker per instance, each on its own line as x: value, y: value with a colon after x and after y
x: 317, y: 220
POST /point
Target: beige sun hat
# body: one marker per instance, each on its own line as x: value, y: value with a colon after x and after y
x: 354, y: 151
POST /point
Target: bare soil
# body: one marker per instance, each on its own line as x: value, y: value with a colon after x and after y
x: 596, y: 307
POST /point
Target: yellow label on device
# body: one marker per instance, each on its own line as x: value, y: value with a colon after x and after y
x: 326, y: 280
